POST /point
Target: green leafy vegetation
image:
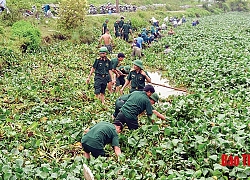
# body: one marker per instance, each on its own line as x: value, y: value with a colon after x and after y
x: 46, y: 105
x: 28, y: 35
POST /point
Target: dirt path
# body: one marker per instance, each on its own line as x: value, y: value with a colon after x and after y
x: 176, y: 11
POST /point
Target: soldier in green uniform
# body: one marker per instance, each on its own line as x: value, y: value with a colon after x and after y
x: 136, y: 77
x: 117, y: 28
x: 105, y: 26
x: 126, y: 29
x: 137, y: 102
x: 103, y: 69
x: 154, y: 98
x: 120, y: 79
x: 121, y: 22
x: 114, y: 63
x: 98, y: 136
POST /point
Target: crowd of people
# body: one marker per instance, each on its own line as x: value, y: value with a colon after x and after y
x: 123, y: 29
x: 110, y: 8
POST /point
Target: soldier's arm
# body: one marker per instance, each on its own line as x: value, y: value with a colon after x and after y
x: 146, y: 76
x: 159, y: 115
x: 91, y: 72
x: 100, y: 40
x: 87, y: 130
x: 126, y: 83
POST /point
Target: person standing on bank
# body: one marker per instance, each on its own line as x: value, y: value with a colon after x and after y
x: 154, y: 98
x: 105, y: 26
x: 136, y: 77
x: 114, y: 63
x: 137, y: 102
x: 121, y: 22
x: 102, y: 68
x: 117, y: 29
x: 126, y: 29
x: 98, y: 136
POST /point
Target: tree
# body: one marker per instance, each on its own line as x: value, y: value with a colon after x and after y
x: 71, y: 14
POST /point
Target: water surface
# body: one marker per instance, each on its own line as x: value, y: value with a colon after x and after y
x: 163, y: 92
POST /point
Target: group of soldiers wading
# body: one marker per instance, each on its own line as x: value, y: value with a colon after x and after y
x: 141, y: 97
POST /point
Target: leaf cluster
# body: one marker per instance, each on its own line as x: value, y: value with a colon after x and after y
x: 28, y: 35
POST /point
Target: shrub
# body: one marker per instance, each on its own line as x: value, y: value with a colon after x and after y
x: 29, y: 36
x: 72, y: 13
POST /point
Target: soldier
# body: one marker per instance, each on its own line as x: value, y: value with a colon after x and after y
x: 114, y: 63
x: 136, y: 77
x: 117, y: 29
x: 121, y: 22
x: 98, y: 136
x: 120, y: 79
x: 105, y: 26
x: 126, y: 29
x: 102, y: 68
x: 137, y: 102
x: 154, y: 98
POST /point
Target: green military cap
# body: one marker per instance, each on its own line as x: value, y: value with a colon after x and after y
x: 138, y: 63
x: 127, y: 69
x: 155, y: 97
x: 103, y: 49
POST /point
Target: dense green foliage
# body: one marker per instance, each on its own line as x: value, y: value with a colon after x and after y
x: 28, y: 35
x: 45, y: 106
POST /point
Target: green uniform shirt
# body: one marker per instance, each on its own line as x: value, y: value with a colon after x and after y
x: 121, y: 100
x: 101, y: 134
x: 102, y: 67
x: 137, y: 80
x: 114, y: 63
x: 126, y: 28
x: 116, y: 26
x: 121, y: 23
x: 137, y: 102
x: 105, y: 26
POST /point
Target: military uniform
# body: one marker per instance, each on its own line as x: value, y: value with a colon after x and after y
x: 120, y: 81
x: 137, y: 102
x: 101, y: 79
x: 137, y: 81
x: 121, y: 22
x: 114, y: 64
x: 126, y: 29
x: 105, y: 26
x: 98, y: 136
x: 117, y: 29
x: 119, y: 103
x: 122, y: 99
